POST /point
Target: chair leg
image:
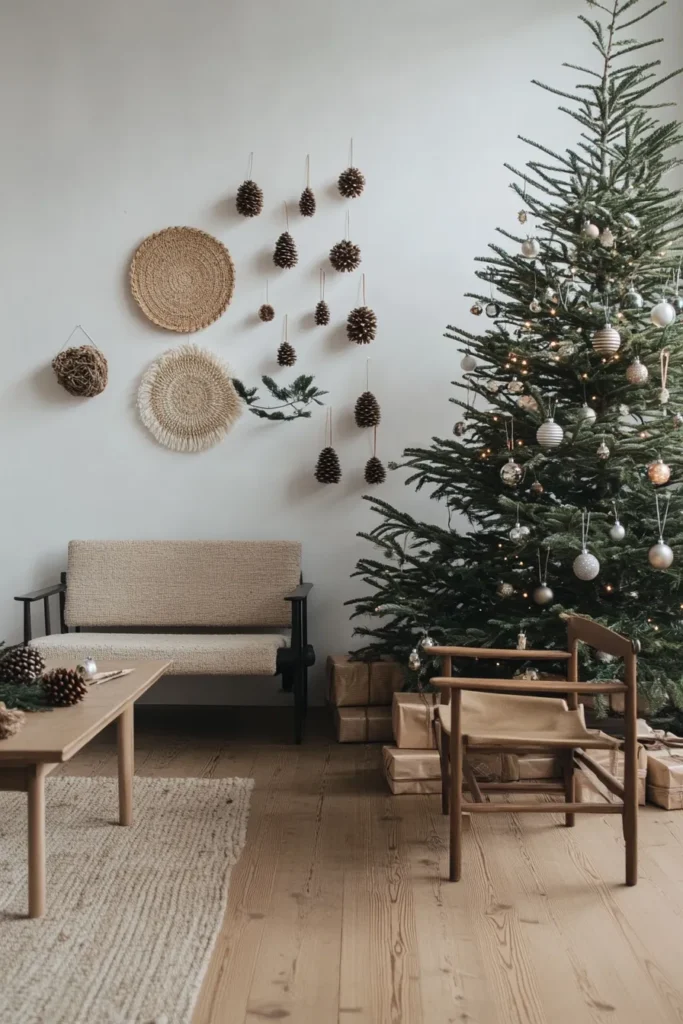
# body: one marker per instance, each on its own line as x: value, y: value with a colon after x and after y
x: 299, y: 703
x: 569, y: 786
x: 455, y: 860
x: 445, y: 773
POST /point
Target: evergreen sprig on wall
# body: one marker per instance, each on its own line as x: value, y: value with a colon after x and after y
x: 297, y: 397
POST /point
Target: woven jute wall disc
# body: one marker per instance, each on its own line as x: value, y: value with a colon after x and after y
x: 182, y: 279
x: 187, y: 399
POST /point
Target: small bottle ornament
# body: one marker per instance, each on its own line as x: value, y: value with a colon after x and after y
x: 637, y: 372
x: 521, y: 640
x: 606, y: 341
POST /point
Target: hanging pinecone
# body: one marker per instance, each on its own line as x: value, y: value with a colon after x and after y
x: 266, y: 313
x: 249, y: 199
x: 367, y: 411
x: 21, y: 665
x: 351, y: 183
x: 361, y: 325
x: 286, y: 355
x: 63, y: 687
x: 328, y: 470
x: 285, y: 254
x: 322, y: 314
x: 345, y: 256
x: 307, y: 203
x: 375, y: 473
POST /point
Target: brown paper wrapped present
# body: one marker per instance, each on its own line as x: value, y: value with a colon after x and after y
x: 363, y: 725
x: 413, y: 716
x: 665, y: 772
x: 362, y: 683
x: 590, y: 790
x: 409, y: 765
x: 539, y: 766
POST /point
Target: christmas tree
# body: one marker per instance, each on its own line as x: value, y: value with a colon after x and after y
x: 560, y: 484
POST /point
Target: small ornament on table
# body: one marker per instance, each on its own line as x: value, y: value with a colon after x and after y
x: 664, y: 393
x: 660, y: 555
x: 637, y: 373
x: 322, y: 310
x: 518, y: 533
x: 249, y: 198
x: 617, y: 531
x: 542, y: 593
x: 414, y: 662
x: 351, y: 182
x: 87, y: 668
x: 607, y: 239
x: 285, y: 255
x: 521, y: 640
x: 361, y: 323
x: 531, y: 248
x: 663, y: 314
x: 468, y: 363
x: 603, y: 452
x: 505, y: 589
x: 606, y: 340
x: 307, y: 199
x: 476, y: 309
x: 550, y: 434
x: 328, y: 469
x: 345, y: 256
x: 586, y: 566
x: 658, y: 472
x: 590, y: 230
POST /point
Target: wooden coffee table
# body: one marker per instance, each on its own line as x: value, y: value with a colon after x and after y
x: 52, y: 737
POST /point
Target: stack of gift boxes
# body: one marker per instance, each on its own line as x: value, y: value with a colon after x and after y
x: 361, y: 692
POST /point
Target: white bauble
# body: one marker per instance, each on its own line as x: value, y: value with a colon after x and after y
x: 637, y: 372
x: 607, y: 239
x: 586, y: 414
x: 586, y: 566
x: 660, y: 555
x: 468, y: 362
x: 591, y: 230
x: 617, y: 532
x: 531, y: 247
x: 663, y: 314
x: 549, y: 434
x: 543, y: 594
x: 606, y: 341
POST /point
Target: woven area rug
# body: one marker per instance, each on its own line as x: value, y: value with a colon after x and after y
x: 133, y: 913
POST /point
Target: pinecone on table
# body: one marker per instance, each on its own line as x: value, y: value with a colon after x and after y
x: 328, y: 470
x: 285, y: 254
x: 307, y: 203
x: 286, y: 354
x: 266, y: 313
x: 367, y: 412
x: 361, y: 325
x: 375, y: 473
x: 249, y: 199
x: 345, y: 256
x: 21, y: 665
x: 322, y: 314
x: 351, y: 183
x: 63, y: 687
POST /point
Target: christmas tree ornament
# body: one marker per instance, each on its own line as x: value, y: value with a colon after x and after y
x: 522, y: 216
x: 307, y: 199
x: 528, y: 403
x: 566, y: 349
x: 345, y: 255
x: 531, y: 248
x: 537, y: 488
x: 663, y: 314
x: 351, y: 182
x: 617, y: 532
x: 535, y: 305
x: 266, y: 312
x: 664, y: 393
x: 87, y: 668
x: 468, y: 363
x: 249, y: 198
x: 518, y: 533
x: 590, y: 230
x: 505, y: 589
x: 521, y: 640
x: 586, y: 566
x: 632, y: 300
x: 542, y: 593
x: 492, y: 310
x: 63, y: 687
x: 604, y: 658
x: 414, y: 663
x: 285, y: 255
x: 550, y: 296
x: 603, y: 452
x: 607, y: 239
x: 677, y: 302
x: 286, y: 355
x: 658, y: 472
x: 361, y: 323
x: 636, y: 372
x: 550, y: 433
x: 606, y: 341
x: 587, y: 415
x: 515, y: 387
x: 459, y: 428
x: 322, y: 310
x: 493, y: 386
x: 476, y: 309
x: 427, y: 642
x: 677, y: 420
x: 511, y: 473
x: 631, y: 221
x: 21, y: 665
x: 367, y: 411
x: 328, y: 469
x: 660, y: 555
x: 375, y: 472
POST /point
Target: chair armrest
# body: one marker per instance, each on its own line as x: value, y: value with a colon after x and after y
x: 503, y: 654
x: 526, y: 686
x: 39, y: 595
x: 300, y: 593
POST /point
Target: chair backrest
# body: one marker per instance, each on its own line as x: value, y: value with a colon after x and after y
x: 180, y: 583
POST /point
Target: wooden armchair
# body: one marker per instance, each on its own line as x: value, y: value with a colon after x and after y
x: 508, y: 715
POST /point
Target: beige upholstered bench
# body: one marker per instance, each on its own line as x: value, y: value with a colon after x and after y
x: 212, y: 607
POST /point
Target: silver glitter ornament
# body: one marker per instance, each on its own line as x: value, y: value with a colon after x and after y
x: 88, y: 667
x: 468, y: 362
x: 632, y: 300
x: 617, y: 532
x: 606, y: 341
x: 543, y: 594
x: 637, y: 372
x: 493, y: 386
x: 660, y: 555
x: 663, y: 314
x: 518, y: 533
x: 511, y: 473
x: 505, y: 589
x: 492, y: 310
x: 528, y: 403
x: 586, y: 566
x: 414, y: 663
x: 531, y: 247
x: 586, y: 414
x: 549, y: 434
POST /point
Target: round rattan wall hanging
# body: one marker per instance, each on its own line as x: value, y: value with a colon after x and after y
x: 187, y: 399
x: 182, y: 279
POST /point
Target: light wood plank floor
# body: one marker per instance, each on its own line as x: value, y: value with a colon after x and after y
x: 339, y: 912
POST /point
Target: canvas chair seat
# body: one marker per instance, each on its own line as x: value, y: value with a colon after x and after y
x: 502, y: 719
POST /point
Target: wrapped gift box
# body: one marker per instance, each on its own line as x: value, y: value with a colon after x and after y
x: 362, y: 683
x: 413, y: 720
x: 412, y: 771
x: 363, y: 725
x: 538, y: 766
x: 589, y: 789
x: 665, y: 772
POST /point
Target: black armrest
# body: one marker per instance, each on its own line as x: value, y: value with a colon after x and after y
x: 40, y: 595
x: 301, y: 592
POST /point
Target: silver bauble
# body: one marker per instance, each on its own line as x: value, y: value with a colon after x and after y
x: 586, y: 414
x: 586, y: 566
x: 603, y: 451
x: 590, y: 230
x: 543, y: 594
x: 518, y: 533
x: 476, y: 309
x: 505, y: 589
x: 414, y: 663
x: 87, y: 667
x: 617, y: 532
x: 535, y: 306
x: 531, y: 247
x: 663, y: 314
x: 660, y: 555
x: 632, y: 300
x: 606, y: 341
x: 468, y: 362
x: 492, y: 309
x: 459, y: 428
x: 549, y: 434
x: 550, y: 295
x: 677, y: 302
x: 636, y: 372
x: 427, y: 641
x: 493, y: 386
x: 607, y: 239
x: 511, y: 473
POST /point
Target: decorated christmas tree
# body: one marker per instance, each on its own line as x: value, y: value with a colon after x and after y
x: 560, y: 487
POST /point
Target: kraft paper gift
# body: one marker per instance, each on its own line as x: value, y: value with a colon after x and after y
x: 413, y: 716
x: 532, y: 766
x: 590, y: 790
x: 362, y: 683
x: 665, y: 772
x: 363, y: 725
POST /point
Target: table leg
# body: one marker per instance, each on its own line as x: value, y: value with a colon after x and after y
x: 36, y: 841
x: 124, y: 732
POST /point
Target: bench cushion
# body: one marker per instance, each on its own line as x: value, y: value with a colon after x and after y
x: 232, y: 654
x: 181, y: 583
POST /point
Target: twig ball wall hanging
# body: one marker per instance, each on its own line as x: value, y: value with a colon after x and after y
x: 285, y: 255
x: 328, y: 469
x: 307, y: 199
x: 82, y: 371
x: 182, y: 279
x: 345, y: 255
x: 249, y: 198
x: 351, y: 182
x: 187, y: 399
x: 286, y: 354
x: 266, y: 312
x: 361, y: 323
x: 322, y: 310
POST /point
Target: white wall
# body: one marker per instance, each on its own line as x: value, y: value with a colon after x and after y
x: 122, y: 118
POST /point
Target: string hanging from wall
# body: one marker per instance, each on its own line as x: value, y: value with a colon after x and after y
x: 286, y: 354
x: 328, y: 468
x: 361, y: 323
x: 82, y: 371
x: 266, y: 311
x: 322, y: 310
x: 351, y: 182
x: 307, y: 199
x: 249, y: 198
x: 285, y: 255
x: 375, y: 473
x: 345, y: 256
x: 367, y: 412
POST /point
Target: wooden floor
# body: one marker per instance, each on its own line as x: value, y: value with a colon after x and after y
x: 339, y: 912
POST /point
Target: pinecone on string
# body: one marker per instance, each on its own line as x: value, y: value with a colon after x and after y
x: 63, y: 687
x: 307, y: 203
x: 249, y: 199
x: 345, y: 256
x: 322, y: 314
x: 351, y: 183
x: 21, y: 665
x: 361, y: 325
x: 286, y: 355
x: 266, y: 313
x: 328, y: 470
x: 375, y: 473
x: 367, y: 411
x: 285, y: 254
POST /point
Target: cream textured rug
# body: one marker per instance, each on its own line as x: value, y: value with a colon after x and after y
x: 133, y: 913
